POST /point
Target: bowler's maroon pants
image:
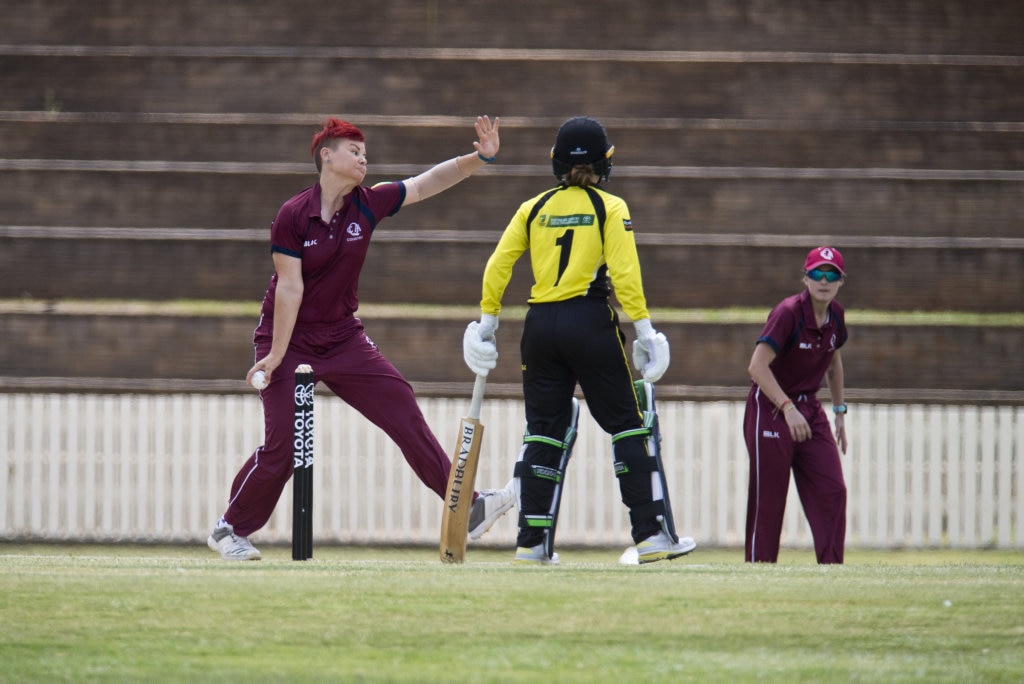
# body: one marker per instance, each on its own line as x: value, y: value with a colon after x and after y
x: 349, y: 364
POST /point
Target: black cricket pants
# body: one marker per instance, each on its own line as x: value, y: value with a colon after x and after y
x: 564, y: 343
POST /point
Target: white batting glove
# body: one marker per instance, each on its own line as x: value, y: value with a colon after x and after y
x: 479, y: 345
x: 650, y: 351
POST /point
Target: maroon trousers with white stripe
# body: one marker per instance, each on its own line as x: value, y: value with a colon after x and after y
x: 351, y: 366
x: 817, y: 472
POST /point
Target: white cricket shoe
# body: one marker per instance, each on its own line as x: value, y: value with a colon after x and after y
x: 488, y: 507
x: 230, y: 546
x: 534, y: 556
x: 661, y: 547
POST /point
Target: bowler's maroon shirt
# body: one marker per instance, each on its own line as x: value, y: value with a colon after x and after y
x: 803, y: 351
x: 332, y: 254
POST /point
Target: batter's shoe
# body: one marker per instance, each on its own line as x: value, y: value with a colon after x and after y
x: 661, y: 547
x: 230, y: 546
x: 534, y: 556
x: 488, y: 507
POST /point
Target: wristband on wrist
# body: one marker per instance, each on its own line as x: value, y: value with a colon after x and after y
x: 839, y: 409
x: 786, y: 405
x: 486, y: 160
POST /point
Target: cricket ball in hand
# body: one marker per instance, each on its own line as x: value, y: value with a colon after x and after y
x: 259, y: 380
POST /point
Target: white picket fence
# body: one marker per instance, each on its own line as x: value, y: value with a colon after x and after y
x: 158, y: 468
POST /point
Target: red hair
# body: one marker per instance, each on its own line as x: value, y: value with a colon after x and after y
x: 333, y: 128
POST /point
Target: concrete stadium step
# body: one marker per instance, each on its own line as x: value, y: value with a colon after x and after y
x: 445, y: 267
x: 745, y: 133
x: 661, y: 199
x: 428, y: 349
x: 284, y: 138
x: 145, y: 79
x: 953, y: 26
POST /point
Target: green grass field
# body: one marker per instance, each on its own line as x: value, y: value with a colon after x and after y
x: 159, y: 613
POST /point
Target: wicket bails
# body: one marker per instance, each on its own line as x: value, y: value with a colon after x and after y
x: 302, y: 453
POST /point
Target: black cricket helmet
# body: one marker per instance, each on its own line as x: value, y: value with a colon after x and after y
x: 582, y: 140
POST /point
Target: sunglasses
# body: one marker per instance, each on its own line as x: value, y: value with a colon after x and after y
x: 830, y: 276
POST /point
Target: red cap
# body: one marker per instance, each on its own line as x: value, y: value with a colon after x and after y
x: 819, y: 256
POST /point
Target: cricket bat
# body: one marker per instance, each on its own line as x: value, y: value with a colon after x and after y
x: 459, y: 498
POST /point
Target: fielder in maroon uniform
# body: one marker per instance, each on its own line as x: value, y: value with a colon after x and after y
x: 785, y: 426
x: 319, y: 241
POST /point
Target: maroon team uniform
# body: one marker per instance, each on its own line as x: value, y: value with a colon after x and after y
x: 330, y: 338
x: 803, y: 355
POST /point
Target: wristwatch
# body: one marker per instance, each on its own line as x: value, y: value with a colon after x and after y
x: 839, y: 408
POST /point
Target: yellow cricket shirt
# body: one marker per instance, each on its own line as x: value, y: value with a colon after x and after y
x: 578, y: 238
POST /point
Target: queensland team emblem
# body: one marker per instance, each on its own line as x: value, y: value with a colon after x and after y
x: 354, y: 229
